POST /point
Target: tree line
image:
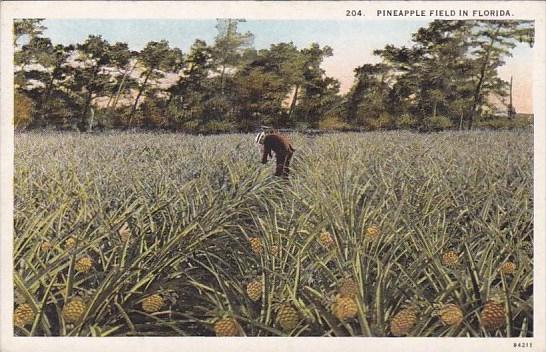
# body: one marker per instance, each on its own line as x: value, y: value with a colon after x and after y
x: 443, y: 80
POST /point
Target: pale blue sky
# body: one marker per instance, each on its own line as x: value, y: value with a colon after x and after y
x: 353, y: 41
x: 182, y: 33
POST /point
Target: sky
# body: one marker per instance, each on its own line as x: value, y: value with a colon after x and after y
x: 353, y: 41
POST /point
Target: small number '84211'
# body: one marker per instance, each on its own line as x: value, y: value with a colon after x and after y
x: 523, y: 344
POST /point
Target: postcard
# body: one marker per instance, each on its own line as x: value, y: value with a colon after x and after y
x: 260, y: 175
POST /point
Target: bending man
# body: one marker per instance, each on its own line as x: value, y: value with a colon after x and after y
x: 282, y: 148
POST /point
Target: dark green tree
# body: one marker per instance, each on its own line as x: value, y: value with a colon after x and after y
x: 155, y: 59
x: 91, y: 75
x: 491, y: 43
x: 368, y: 98
x: 228, y: 47
x: 319, y: 90
x: 31, y: 27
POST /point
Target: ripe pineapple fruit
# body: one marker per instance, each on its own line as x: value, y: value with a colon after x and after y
x: 450, y: 314
x: 492, y: 315
x: 254, y: 289
x: 70, y: 243
x: 348, y: 288
x: 45, y: 246
x: 73, y: 310
x: 326, y: 240
x: 124, y: 233
x: 255, y: 245
x: 83, y: 265
x: 23, y: 315
x: 372, y: 232
x: 227, y: 327
x: 507, y: 268
x: 403, y: 321
x: 275, y: 250
x: 450, y: 258
x: 287, y: 317
x: 152, y: 304
x: 344, y: 308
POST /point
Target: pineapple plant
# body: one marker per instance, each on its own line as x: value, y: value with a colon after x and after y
x: 403, y: 321
x: 287, y: 316
x: 493, y: 314
x: 227, y: 327
x: 372, y: 232
x: 344, y: 308
x: 254, y: 289
x: 255, y: 245
x: 450, y: 314
x: 450, y: 258
x: 83, y: 265
x: 326, y: 240
x: 73, y: 310
x: 152, y: 304
x: 507, y: 268
x: 45, y: 246
x: 348, y: 288
x: 70, y: 243
x: 23, y: 315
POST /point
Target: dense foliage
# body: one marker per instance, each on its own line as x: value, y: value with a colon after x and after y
x: 444, y: 80
x: 375, y: 234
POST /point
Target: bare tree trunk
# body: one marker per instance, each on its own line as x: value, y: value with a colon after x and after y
x: 293, y: 103
x: 222, y: 81
x: 461, y: 121
x: 478, y: 90
x: 91, y: 119
x: 88, y: 100
x: 83, y: 122
x: 510, y: 106
x: 140, y: 91
x: 122, y: 85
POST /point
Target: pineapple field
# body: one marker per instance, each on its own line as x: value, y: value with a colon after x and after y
x: 375, y: 234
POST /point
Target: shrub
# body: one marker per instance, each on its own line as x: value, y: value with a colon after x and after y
x: 437, y: 123
x: 333, y: 123
x: 22, y: 114
x: 503, y: 123
x: 406, y: 121
x: 385, y: 120
x: 215, y: 126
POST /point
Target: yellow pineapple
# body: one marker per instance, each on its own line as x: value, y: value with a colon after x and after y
x: 450, y: 258
x: 227, y: 327
x: 492, y: 315
x: 403, y: 322
x: 23, y: 315
x: 70, y: 243
x: 254, y: 289
x: 275, y: 250
x: 83, y: 265
x: 45, y: 246
x: 507, y: 268
x: 344, y: 308
x: 73, y: 310
x: 255, y: 245
x: 348, y: 288
x: 372, y: 232
x: 287, y: 317
x: 326, y: 240
x: 450, y: 314
x: 152, y: 304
